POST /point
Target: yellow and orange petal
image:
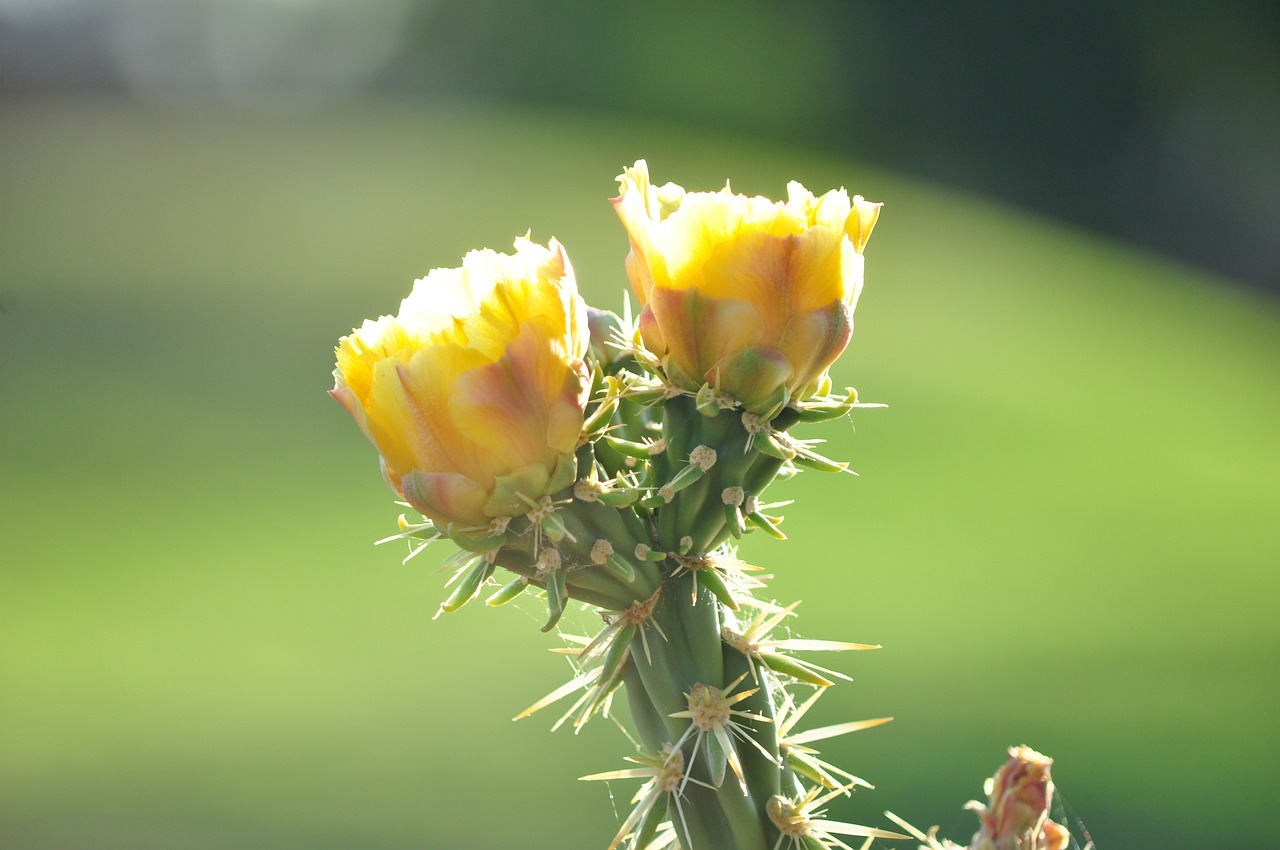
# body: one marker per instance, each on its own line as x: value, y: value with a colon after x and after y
x: 748, y: 294
x: 479, y: 380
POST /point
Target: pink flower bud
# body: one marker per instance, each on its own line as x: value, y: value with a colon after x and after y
x: 1016, y: 814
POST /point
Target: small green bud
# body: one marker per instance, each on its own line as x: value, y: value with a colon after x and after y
x: 480, y: 569
x: 630, y: 448
x: 714, y: 582
x: 655, y: 500
x: 557, y: 596
x: 788, y: 666
x: 810, y: 460
x: 734, y: 522
x: 553, y: 526
x: 649, y: 826
x: 621, y: 568
x: 619, y: 498
x: 769, y: 444
x: 644, y: 552
x: 766, y: 524
x: 710, y: 401
x: 507, y: 592
x: 681, y: 480
x: 827, y: 409
x: 600, y: 417
x: 775, y: 403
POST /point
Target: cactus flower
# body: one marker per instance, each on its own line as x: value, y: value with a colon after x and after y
x: 1016, y: 814
x: 474, y: 393
x: 752, y: 296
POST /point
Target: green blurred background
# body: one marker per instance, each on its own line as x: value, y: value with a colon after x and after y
x: 1063, y: 533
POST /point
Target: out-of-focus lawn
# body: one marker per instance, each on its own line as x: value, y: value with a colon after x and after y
x: 1064, y: 532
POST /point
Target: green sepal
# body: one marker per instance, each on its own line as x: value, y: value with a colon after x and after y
x: 556, y: 598
x: 684, y: 478
x: 776, y: 403
x: 717, y: 759
x: 553, y: 527
x: 801, y: 765
x: 630, y: 448
x: 768, y: 444
x: 471, y: 543
x: 565, y: 473
x: 827, y: 409
x: 605, y: 410
x: 677, y: 377
x: 824, y: 413
x: 766, y: 524
x: 512, y: 493
x: 621, y: 567
x: 611, y: 460
x: 467, y: 587
x: 616, y: 654
x: 706, y: 403
x: 618, y: 498
x: 794, y: 668
x: 648, y: 828
x: 734, y: 521
x: 714, y: 582
x: 809, y: 460
x: 507, y: 592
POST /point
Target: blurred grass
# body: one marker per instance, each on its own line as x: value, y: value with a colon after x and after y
x: 1063, y: 533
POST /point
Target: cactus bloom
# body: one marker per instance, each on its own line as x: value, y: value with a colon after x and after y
x: 1016, y: 814
x: 474, y: 393
x: 752, y: 296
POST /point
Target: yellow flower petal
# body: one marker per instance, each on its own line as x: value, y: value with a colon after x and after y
x: 478, y: 378
x: 718, y: 273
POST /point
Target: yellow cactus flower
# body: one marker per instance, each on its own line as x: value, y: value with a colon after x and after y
x: 752, y: 296
x: 474, y: 394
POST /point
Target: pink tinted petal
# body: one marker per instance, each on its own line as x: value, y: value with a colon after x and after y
x: 445, y: 497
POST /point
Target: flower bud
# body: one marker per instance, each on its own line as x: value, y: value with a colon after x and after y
x: 474, y: 393
x: 1016, y: 814
x: 605, y: 327
x: 753, y: 297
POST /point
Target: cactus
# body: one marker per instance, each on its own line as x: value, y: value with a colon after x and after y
x: 683, y: 419
x: 714, y: 696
